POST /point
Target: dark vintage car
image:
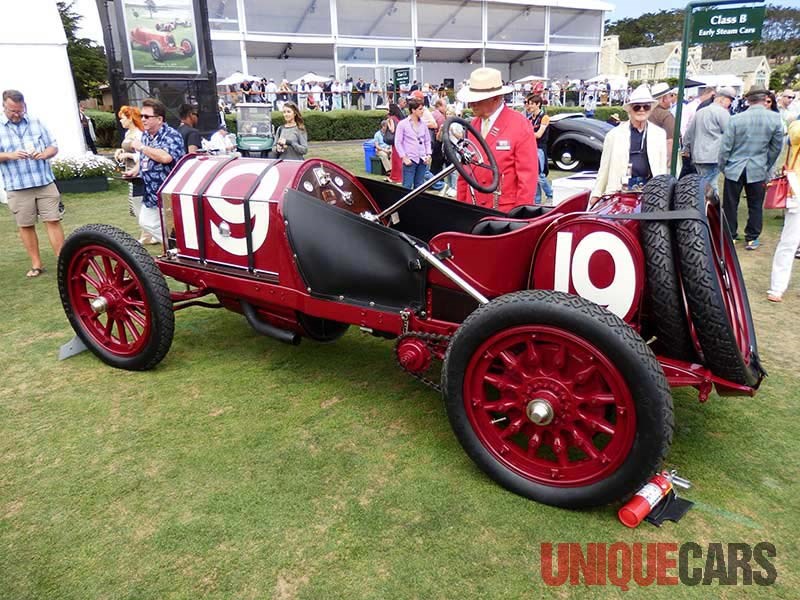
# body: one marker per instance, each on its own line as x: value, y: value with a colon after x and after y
x: 160, y: 44
x: 554, y: 334
x: 575, y: 142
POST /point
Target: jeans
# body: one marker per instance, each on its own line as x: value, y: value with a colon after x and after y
x: 755, y: 205
x: 784, y: 253
x: 414, y: 174
x: 544, y: 183
x: 709, y: 175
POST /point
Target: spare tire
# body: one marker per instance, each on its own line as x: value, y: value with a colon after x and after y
x: 715, y: 290
x: 669, y: 320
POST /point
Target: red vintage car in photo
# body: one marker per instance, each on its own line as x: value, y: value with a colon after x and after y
x: 553, y: 334
x: 160, y: 44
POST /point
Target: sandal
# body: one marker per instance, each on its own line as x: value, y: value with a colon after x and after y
x: 34, y: 272
x: 774, y: 298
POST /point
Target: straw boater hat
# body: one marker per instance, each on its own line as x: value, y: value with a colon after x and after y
x: 483, y: 83
x: 641, y: 95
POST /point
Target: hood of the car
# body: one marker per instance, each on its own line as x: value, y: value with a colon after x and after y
x: 584, y: 125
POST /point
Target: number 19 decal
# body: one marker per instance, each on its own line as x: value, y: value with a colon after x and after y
x: 572, y: 266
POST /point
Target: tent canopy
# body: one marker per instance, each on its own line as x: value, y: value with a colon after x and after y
x: 311, y: 78
x: 530, y: 78
x: 236, y: 78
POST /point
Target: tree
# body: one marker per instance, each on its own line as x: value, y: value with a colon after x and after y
x: 151, y: 6
x: 88, y: 60
x: 780, y: 37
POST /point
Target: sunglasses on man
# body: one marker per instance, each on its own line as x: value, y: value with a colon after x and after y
x: 640, y: 107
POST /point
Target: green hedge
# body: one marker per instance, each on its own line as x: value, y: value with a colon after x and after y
x: 105, y: 128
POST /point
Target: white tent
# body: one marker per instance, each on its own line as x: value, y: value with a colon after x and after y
x: 236, y: 78
x: 721, y: 80
x: 618, y: 82
x: 33, y: 52
x: 311, y: 78
x: 530, y: 78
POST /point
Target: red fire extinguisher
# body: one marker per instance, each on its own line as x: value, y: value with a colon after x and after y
x: 645, y: 500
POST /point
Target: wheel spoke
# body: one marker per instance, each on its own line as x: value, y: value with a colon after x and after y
x: 560, y: 358
x: 560, y: 450
x: 584, y: 443
x: 108, y: 329
x: 109, y: 268
x: 603, y: 399
x: 135, y: 333
x: 583, y: 376
x: 90, y: 281
x: 513, y: 428
x: 97, y: 270
x: 597, y: 423
x: 502, y: 382
x: 135, y: 316
x: 123, y: 338
x: 534, y: 443
x: 510, y: 361
x: 531, y: 354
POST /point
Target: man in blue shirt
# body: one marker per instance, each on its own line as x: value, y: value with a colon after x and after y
x: 26, y: 148
x: 159, y: 149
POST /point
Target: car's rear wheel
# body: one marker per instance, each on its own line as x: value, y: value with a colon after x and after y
x: 557, y: 399
x: 566, y: 158
x: 115, y: 297
x: 715, y: 289
x: 155, y: 51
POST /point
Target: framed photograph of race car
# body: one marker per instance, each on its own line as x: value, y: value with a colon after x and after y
x: 160, y: 38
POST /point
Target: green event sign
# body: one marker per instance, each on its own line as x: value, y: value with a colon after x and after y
x: 727, y: 25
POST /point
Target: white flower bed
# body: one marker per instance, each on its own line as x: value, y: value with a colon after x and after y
x: 82, y: 166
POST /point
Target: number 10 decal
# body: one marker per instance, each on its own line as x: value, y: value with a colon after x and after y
x: 574, y: 266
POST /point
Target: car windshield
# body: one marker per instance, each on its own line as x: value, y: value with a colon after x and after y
x: 254, y: 120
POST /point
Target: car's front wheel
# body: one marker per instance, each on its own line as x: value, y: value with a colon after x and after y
x: 155, y: 51
x: 115, y: 297
x: 566, y: 158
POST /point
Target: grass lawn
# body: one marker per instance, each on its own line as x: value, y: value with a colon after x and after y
x: 245, y: 468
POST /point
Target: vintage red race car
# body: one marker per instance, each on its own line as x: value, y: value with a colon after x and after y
x: 160, y: 44
x: 557, y: 331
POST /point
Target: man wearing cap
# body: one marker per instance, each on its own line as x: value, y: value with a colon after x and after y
x: 634, y: 152
x: 785, y: 107
x: 750, y: 145
x: 704, y: 137
x: 661, y: 115
x: 510, y: 138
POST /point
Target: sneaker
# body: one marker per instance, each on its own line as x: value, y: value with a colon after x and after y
x: 774, y: 297
x: 752, y: 245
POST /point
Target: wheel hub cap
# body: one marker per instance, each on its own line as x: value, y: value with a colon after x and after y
x: 99, y: 305
x: 540, y: 412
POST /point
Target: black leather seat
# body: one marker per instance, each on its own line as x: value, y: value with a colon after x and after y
x: 528, y: 211
x: 497, y: 226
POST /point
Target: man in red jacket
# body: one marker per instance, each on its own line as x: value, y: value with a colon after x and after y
x: 510, y: 138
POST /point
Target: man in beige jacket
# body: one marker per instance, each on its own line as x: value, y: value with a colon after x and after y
x: 637, y: 145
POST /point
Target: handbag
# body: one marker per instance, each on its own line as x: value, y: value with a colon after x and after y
x: 388, y: 136
x: 778, y: 188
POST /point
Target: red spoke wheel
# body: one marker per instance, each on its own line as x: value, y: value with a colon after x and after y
x: 715, y: 289
x: 557, y: 399
x: 115, y: 297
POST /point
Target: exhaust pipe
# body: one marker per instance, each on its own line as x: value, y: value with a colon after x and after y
x: 264, y: 328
